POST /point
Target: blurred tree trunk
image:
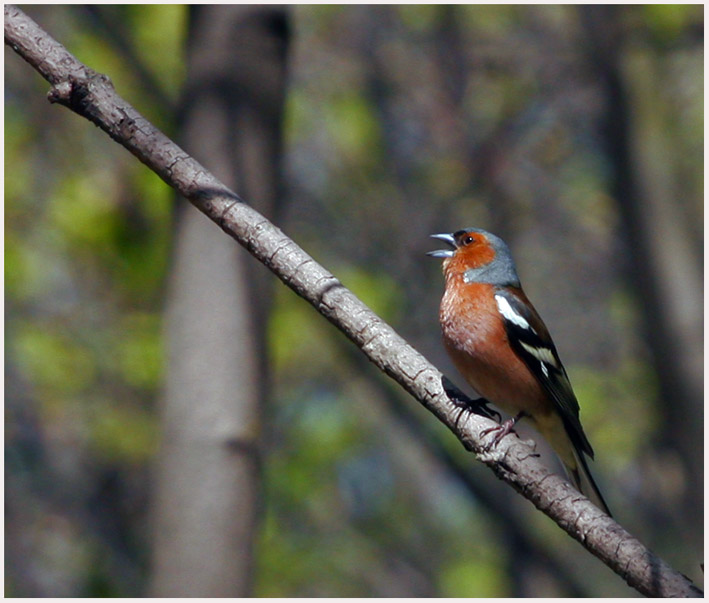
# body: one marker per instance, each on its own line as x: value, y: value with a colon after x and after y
x: 662, y: 262
x: 208, y: 474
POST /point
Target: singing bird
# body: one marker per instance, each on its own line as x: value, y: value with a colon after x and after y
x: 500, y: 345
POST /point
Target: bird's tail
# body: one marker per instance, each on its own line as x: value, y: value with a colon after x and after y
x: 584, y: 482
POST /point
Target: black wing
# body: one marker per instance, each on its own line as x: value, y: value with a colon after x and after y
x: 531, y: 341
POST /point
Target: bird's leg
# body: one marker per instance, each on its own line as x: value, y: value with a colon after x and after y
x: 479, y: 405
x: 503, y: 429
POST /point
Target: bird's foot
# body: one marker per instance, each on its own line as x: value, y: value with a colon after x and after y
x: 502, y: 430
x: 478, y: 406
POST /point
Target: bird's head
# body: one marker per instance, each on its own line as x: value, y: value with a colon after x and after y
x: 477, y: 256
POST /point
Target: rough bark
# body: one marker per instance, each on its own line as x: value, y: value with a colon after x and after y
x: 208, y: 477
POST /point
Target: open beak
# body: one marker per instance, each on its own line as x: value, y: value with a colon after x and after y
x: 443, y: 253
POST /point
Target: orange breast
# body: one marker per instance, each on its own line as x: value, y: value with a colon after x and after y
x: 475, y: 338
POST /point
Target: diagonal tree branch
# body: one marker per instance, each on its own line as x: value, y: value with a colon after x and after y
x: 92, y: 95
x: 512, y: 526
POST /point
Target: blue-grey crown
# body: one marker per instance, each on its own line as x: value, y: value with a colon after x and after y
x: 501, y: 272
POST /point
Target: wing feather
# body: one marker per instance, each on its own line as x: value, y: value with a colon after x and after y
x: 530, y: 339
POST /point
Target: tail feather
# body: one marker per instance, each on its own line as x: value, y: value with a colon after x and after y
x: 584, y: 482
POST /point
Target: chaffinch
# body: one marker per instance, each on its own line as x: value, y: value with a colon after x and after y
x: 500, y: 345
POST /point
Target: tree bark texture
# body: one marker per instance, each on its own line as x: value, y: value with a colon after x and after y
x: 208, y: 477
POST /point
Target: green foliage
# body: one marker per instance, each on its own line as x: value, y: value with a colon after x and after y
x: 163, y: 27
x: 491, y: 20
x: 668, y: 21
x: 296, y: 335
x: 18, y: 138
x: 122, y: 433
x: 86, y: 247
x: 139, y: 350
x: 352, y: 128
x: 52, y: 360
x: 483, y: 577
x: 89, y: 47
x: 378, y: 290
x: 25, y: 268
x: 581, y: 177
x: 82, y: 217
x: 626, y: 391
x: 420, y: 17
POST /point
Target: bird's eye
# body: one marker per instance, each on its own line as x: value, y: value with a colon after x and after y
x: 467, y: 240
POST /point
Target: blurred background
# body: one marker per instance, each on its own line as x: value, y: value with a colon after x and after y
x: 179, y: 423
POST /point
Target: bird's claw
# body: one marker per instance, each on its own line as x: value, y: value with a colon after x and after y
x: 502, y: 430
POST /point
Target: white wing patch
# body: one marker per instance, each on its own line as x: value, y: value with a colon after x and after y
x: 544, y: 355
x: 506, y: 310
